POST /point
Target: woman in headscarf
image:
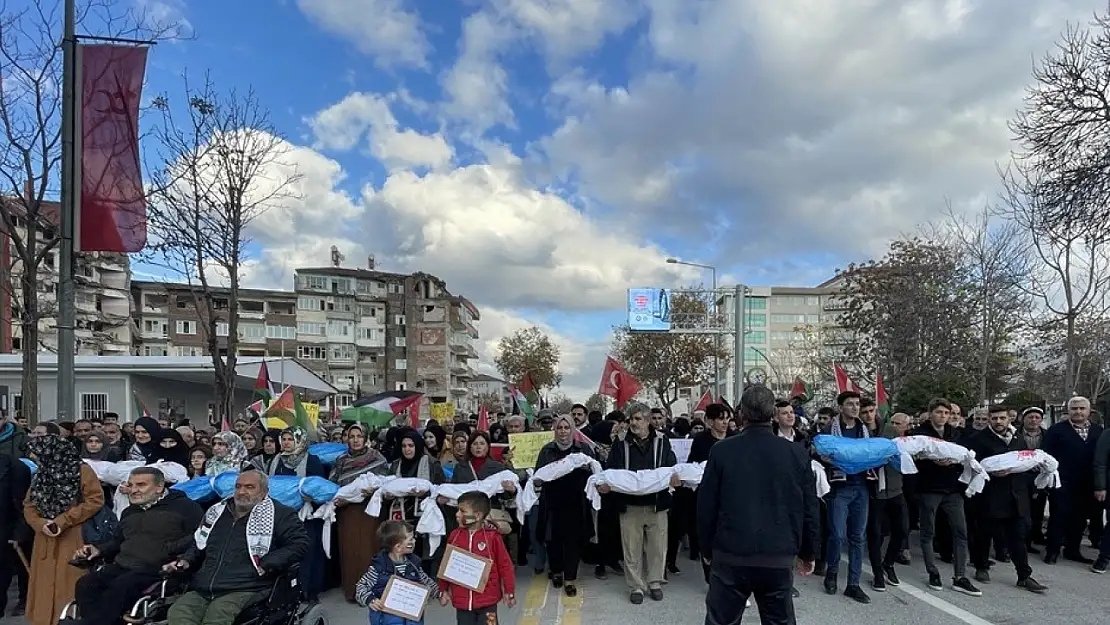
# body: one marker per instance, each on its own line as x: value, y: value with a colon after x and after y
x: 147, y: 435
x: 434, y: 436
x: 413, y: 462
x: 96, y: 448
x: 228, y: 454
x: 174, y: 448
x: 294, y: 459
x: 64, y: 493
x: 252, y: 441
x: 269, y: 447
x: 565, y: 523
x: 357, y: 531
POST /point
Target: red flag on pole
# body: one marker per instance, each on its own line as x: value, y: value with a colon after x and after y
x: 483, y: 419
x: 618, y: 383
x: 112, y: 204
x: 799, y: 389
x: 843, y: 382
x: 414, y: 414
x: 704, y: 402
x: 526, y: 384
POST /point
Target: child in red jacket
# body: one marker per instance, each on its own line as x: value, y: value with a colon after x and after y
x: 475, y: 536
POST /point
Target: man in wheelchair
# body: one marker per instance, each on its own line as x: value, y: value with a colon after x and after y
x: 156, y: 528
x: 240, y: 547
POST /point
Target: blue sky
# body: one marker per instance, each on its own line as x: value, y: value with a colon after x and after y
x: 542, y: 156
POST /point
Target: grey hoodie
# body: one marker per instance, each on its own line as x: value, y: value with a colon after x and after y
x: 891, y: 484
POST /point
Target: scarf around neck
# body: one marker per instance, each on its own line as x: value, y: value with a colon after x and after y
x: 260, y: 529
x: 835, y: 428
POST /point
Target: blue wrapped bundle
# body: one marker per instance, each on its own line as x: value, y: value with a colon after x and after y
x: 225, y: 484
x: 856, y: 455
x: 328, y: 453
x: 285, y: 489
x: 197, y: 489
x: 319, y: 490
x: 30, y: 465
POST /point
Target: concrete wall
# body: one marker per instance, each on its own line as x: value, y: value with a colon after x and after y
x: 196, y: 397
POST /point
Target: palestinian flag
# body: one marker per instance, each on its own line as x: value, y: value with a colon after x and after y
x: 140, y: 409
x: 378, y: 410
x: 799, y: 390
x: 262, y: 389
x: 522, y: 404
x: 882, y: 399
x: 289, y: 410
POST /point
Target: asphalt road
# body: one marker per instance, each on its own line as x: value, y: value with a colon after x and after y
x: 1076, y: 597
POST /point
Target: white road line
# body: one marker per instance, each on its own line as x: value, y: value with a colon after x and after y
x: 930, y: 598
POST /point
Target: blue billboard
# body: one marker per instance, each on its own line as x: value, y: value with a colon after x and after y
x: 649, y: 310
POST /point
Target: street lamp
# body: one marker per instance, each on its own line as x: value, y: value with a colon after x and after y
x: 716, y: 334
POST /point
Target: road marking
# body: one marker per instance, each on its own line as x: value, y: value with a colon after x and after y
x: 930, y: 598
x: 535, y: 599
x: 570, y: 609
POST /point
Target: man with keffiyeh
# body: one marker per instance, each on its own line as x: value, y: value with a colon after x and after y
x: 848, y: 504
x: 246, y: 556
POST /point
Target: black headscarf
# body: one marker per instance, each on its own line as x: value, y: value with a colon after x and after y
x: 440, y: 434
x: 179, y: 453
x: 150, y: 451
x: 409, y: 467
x: 103, y: 454
x: 498, y: 434
x: 57, y: 482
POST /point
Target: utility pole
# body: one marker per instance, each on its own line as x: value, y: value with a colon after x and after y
x: 67, y: 216
x: 738, y: 344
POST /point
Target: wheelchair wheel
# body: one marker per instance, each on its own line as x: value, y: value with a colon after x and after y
x: 316, y: 615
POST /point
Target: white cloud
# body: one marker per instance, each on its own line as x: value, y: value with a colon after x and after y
x: 383, y: 29
x: 567, y: 28
x: 477, y: 85
x: 343, y: 125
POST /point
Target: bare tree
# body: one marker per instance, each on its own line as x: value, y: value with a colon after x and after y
x: 30, y: 158
x: 994, y: 258
x: 221, y: 166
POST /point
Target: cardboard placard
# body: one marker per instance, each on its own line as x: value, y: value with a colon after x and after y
x: 405, y: 599
x: 459, y: 566
x: 526, y: 447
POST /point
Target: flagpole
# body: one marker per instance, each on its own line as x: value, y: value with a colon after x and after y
x: 67, y: 216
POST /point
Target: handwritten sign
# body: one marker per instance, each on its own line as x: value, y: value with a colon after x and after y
x: 526, y: 447
x: 442, y: 410
x: 466, y: 569
x: 404, y: 598
x: 681, y: 447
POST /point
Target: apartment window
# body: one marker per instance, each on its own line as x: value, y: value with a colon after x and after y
x: 310, y: 303
x: 399, y: 341
x: 368, y: 334
x: 813, y: 300
x: 340, y: 329
x: 343, y: 352
x: 344, y: 400
x: 221, y: 328
x: 252, y: 331
x: 757, y: 321
x: 394, y: 288
x: 400, y: 386
x: 798, y: 319
x: 17, y: 402
x: 312, y: 352
x: 155, y: 327
x: 282, y: 333
x: 186, y: 327
x: 94, y: 405
x: 319, y: 283
x: 311, y: 329
x: 813, y: 319
x: 370, y: 379
x: 780, y: 337
x: 367, y: 310
x: 400, y: 364
x: 756, y: 337
x: 155, y: 350
x: 399, y: 320
x: 755, y: 303
x: 752, y: 354
x: 189, y: 351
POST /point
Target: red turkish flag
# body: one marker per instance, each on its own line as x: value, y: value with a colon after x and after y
x: 483, y: 419
x: 618, y: 383
x: 704, y: 402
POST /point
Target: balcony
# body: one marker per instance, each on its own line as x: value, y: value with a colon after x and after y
x: 460, y: 368
x: 459, y: 391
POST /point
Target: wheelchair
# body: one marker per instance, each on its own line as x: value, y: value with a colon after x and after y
x: 282, y: 604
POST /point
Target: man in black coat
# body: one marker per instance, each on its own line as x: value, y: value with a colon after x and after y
x: 1003, y: 508
x: 757, y: 518
x: 157, y: 527
x: 1073, y: 505
x: 15, y: 478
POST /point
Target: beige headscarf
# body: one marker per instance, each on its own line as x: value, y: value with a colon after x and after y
x: 563, y: 446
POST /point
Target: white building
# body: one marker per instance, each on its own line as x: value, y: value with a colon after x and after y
x: 483, y: 385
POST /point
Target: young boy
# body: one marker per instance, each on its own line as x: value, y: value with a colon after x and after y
x: 395, y: 558
x: 477, y: 537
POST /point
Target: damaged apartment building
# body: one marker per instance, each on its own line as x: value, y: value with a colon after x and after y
x: 102, y: 293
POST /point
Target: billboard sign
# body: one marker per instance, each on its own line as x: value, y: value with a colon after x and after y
x: 649, y: 310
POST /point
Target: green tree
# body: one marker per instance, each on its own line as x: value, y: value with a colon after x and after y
x: 559, y: 402
x: 917, y: 390
x: 666, y: 361
x: 597, y: 402
x: 529, y: 351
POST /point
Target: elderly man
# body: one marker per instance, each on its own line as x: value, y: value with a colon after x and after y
x: 643, y: 518
x: 1072, y: 506
x: 246, y: 555
x: 157, y: 527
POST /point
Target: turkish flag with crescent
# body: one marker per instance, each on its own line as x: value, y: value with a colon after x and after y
x: 618, y: 383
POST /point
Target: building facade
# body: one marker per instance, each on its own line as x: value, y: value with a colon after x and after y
x: 483, y: 385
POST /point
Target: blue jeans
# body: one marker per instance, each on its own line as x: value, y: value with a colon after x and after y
x: 847, y: 519
x: 381, y: 618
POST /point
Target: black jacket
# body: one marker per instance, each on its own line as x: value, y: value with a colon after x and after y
x: 225, y: 564
x: 1076, y: 456
x: 757, y: 502
x: 932, y: 477
x: 147, y: 539
x: 15, y: 478
x: 1102, y: 460
x: 653, y: 453
x: 703, y: 443
x: 1004, y: 496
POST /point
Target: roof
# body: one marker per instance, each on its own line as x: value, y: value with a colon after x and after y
x: 482, y: 377
x: 243, y: 293
x: 351, y: 272
x: 283, y: 371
